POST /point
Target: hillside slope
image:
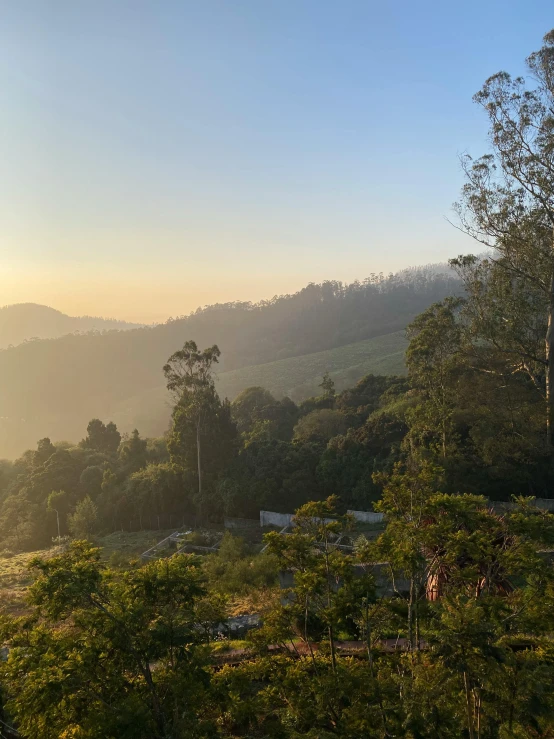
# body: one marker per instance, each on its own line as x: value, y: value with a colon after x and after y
x: 297, y: 377
x: 26, y: 321
x: 54, y: 387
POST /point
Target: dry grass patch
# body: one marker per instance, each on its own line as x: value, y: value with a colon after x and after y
x: 15, y: 579
x: 257, y: 601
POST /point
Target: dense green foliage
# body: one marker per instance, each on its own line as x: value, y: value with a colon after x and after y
x: 124, y: 662
x: 257, y: 452
x: 439, y: 624
x: 468, y: 595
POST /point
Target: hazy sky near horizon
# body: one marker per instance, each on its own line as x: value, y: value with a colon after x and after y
x: 159, y: 155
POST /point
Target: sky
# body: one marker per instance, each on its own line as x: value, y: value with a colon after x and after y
x: 161, y: 155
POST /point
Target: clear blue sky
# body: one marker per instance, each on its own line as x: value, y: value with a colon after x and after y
x: 165, y: 154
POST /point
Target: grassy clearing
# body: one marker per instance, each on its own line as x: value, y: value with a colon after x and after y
x: 15, y: 579
x: 124, y: 545
x: 226, y: 645
x: 299, y: 377
x: 117, y: 549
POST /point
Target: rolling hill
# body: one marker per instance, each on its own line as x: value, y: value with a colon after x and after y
x: 29, y: 321
x: 297, y: 377
x: 53, y: 387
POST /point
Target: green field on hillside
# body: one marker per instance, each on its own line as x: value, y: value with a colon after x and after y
x: 299, y: 377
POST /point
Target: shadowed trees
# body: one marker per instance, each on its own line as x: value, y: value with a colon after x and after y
x: 508, y: 204
x: 203, y: 432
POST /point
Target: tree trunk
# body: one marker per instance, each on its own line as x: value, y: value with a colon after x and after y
x: 306, y: 635
x: 443, y: 422
x: 199, y: 461
x: 549, y: 351
x: 411, y: 616
x: 417, y: 636
x: 468, y: 707
x: 368, y: 638
x: 370, y: 658
x: 330, y: 627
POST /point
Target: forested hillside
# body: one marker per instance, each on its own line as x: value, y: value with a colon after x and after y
x: 29, y: 321
x: 296, y: 377
x: 53, y: 387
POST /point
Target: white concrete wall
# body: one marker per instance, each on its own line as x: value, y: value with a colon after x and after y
x: 270, y: 518
x: 546, y: 504
x: 239, y: 523
x: 366, y: 516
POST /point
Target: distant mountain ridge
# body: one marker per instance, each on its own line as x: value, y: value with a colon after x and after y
x: 27, y: 321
